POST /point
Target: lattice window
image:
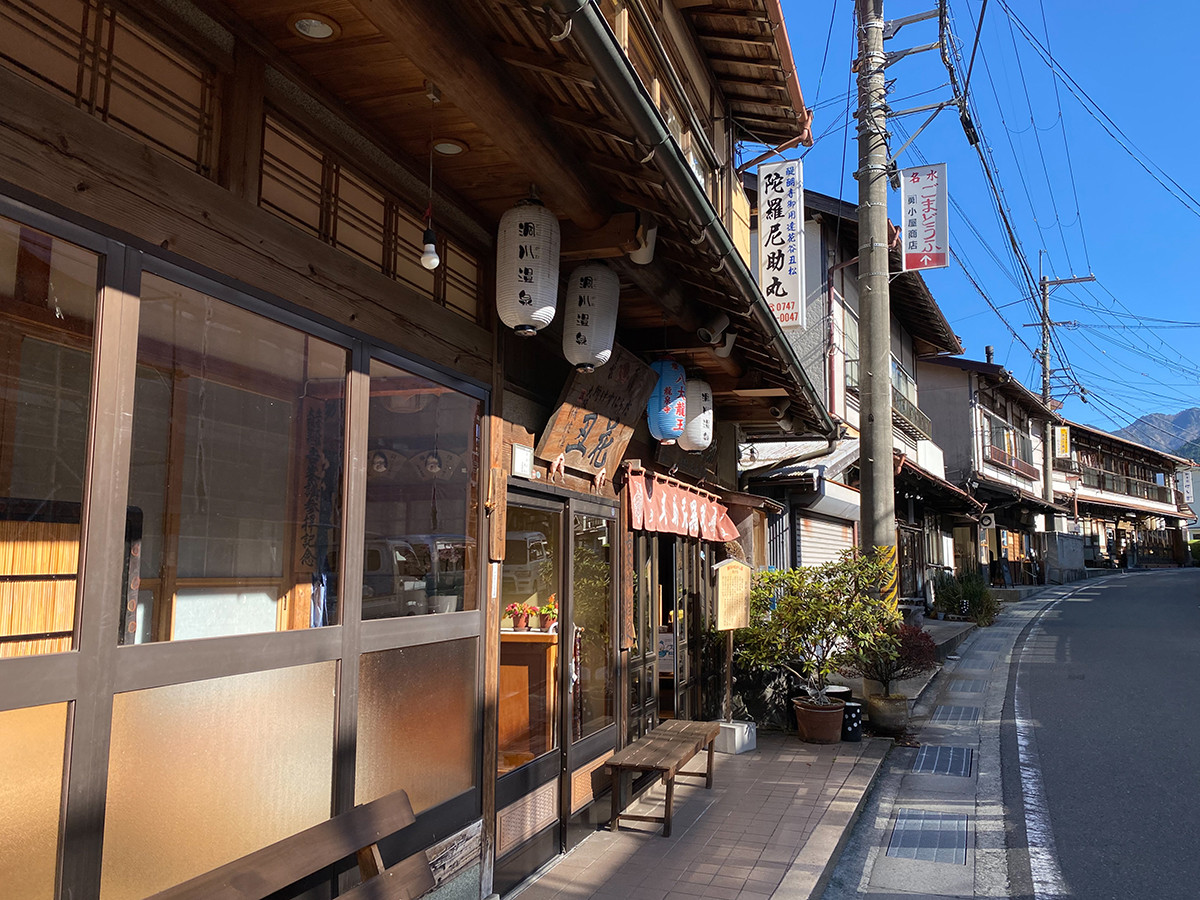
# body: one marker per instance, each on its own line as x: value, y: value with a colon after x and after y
x: 95, y: 56
x: 313, y: 189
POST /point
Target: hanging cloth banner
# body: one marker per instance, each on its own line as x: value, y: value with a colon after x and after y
x: 923, y: 210
x: 662, y: 504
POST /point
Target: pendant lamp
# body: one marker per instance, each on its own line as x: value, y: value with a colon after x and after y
x: 527, y: 267
x: 590, y: 319
x: 666, y: 410
x: 698, y: 421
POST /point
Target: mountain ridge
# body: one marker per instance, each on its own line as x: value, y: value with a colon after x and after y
x: 1168, y: 432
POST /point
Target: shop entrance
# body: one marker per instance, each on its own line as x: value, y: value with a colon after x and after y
x: 557, y: 687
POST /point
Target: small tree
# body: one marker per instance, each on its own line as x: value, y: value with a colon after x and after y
x: 806, y: 621
x: 909, y: 653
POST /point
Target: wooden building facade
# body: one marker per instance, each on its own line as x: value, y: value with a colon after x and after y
x: 263, y: 497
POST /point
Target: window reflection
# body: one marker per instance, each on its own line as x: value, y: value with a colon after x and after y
x: 529, y: 651
x: 592, y: 651
x: 422, y: 470
x: 47, y: 310
x: 235, y: 470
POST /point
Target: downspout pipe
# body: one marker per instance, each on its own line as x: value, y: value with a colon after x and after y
x: 603, y: 52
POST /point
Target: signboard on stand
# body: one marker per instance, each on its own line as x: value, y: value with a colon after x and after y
x: 733, y: 594
x: 923, y: 211
x: 781, y: 240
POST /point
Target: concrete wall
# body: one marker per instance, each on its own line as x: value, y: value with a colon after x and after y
x: 1064, y: 558
x: 944, y: 394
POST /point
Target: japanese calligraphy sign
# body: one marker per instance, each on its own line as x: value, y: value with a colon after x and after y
x: 596, y: 414
x: 659, y: 504
x: 734, y: 579
x: 781, y: 240
x: 1062, y: 441
x: 924, y: 222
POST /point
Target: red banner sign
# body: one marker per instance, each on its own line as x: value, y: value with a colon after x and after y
x: 658, y: 505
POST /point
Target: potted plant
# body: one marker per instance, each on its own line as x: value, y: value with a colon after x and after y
x: 905, y: 652
x: 806, y: 620
x: 520, y: 612
x: 978, y: 602
x: 549, y: 612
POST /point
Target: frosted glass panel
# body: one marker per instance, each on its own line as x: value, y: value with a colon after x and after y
x: 204, y: 773
x: 418, y: 723
x: 31, y: 745
x: 213, y: 613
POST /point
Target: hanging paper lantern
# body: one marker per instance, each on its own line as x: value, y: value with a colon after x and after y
x: 590, y: 319
x: 527, y: 267
x: 698, y: 423
x: 667, y: 408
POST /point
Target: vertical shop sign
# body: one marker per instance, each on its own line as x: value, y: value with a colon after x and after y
x: 1062, y: 441
x: 781, y: 240
x: 923, y: 202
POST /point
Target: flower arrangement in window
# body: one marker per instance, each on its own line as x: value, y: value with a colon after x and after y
x: 549, y: 612
x: 520, y: 612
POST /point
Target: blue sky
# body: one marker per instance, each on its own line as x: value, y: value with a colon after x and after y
x: 1070, y: 188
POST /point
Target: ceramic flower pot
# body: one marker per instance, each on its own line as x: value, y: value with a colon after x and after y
x: 521, y: 622
x: 888, y: 715
x: 548, y: 621
x: 818, y: 723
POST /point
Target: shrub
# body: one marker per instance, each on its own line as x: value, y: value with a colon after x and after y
x: 978, y: 601
x: 911, y: 652
x: 948, y: 595
x: 805, y: 621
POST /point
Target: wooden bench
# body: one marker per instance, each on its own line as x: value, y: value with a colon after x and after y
x: 664, y: 750
x: 275, y: 867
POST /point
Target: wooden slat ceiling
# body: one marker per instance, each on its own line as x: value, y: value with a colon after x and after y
x: 375, y: 79
x: 741, y: 45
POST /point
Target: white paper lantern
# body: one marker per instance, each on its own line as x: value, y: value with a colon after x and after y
x: 666, y: 410
x: 590, y: 318
x: 527, y: 267
x: 698, y: 419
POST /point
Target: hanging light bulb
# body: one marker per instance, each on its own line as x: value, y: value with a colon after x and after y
x: 429, y: 258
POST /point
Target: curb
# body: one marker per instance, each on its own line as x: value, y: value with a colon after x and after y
x: 809, y: 873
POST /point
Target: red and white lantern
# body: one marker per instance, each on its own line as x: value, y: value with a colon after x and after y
x: 698, y: 422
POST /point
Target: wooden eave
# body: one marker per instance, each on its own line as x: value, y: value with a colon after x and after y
x: 587, y: 167
x: 752, y: 62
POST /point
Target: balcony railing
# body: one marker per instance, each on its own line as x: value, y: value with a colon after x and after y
x: 1002, y: 457
x: 1100, y: 480
x: 1070, y: 466
x: 910, y: 415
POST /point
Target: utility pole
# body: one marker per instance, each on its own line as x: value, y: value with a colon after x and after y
x: 1048, y: 434
x: 878, y: 509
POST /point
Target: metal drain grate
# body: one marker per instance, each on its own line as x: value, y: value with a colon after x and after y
x: 967, y: 686
x: 955, y: 715
x: 935, y: 760
x: 988, y: 646
x: 929, y: 836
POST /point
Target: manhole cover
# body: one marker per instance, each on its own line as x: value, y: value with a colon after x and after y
x: 935, y: 760
x: 929, y: 836
x: 955, y: 715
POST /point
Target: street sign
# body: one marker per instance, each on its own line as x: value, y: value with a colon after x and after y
x: 923, y: 208
x: 781, y: 240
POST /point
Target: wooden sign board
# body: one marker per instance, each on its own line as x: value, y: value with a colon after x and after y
x: 596, y: 414
x: 733, y: 594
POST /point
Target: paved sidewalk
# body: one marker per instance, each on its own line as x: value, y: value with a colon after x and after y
x: 773, y: 823
x: 934, y: 826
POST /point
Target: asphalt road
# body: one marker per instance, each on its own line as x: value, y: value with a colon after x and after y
x: 1110, y: 683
